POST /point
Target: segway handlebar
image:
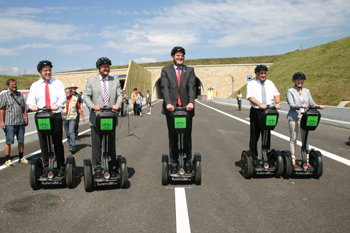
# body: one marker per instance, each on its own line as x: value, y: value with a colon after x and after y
x: 44, y: 109
x: 314, y: 107
x: 180, y: 109
x: 270, y: 107
x: 105, y: 109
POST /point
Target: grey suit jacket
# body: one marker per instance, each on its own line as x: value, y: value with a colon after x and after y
x: 293, y: 100
x: 170, y: 89
x: 93, y: 95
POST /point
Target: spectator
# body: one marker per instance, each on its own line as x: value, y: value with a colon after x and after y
x: 149, y: 102
x: 14, y: 118
x: 139, y: 102
x: 80, y: 100
x: 239, y: 100
x: 69, y: 115
x: 136, y: 108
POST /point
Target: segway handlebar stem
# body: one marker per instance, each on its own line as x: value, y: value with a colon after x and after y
x: 180, y: 109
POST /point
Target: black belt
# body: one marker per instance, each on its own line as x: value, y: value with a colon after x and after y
x: 56, y: 114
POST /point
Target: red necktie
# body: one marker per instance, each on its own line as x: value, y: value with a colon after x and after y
x: 47, y: 95
x: 178, y: 84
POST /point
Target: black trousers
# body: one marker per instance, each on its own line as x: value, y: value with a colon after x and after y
x: 96, y: 144
x: 255, y: 131
x: 136, y: 109
x: 57, y: 142
x: 77, y: 124
x: 174, y: 143
x: 239, y: 104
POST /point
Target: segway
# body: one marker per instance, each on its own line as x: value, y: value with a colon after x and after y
x: 309, y: 121
x: 45, y: 124
x: 180, y: 125
x: 272, y: 161
x: 106, y: 122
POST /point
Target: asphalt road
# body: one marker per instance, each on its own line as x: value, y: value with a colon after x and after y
x: 225, y: 202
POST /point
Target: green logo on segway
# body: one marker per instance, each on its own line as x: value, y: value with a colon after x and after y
x: 106, y: 124
x: 312, y: 121
x: 180, y: 122
x: 44, y: 124
x: 271, y: 120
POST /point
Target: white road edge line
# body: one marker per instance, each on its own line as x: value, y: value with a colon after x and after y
x: 182, y: 220
x: 325, y: 153
x: 38, y: 151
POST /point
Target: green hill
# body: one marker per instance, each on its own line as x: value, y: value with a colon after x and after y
x: 325, y: 67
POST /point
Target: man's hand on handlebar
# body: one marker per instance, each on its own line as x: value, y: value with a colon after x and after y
x: 96, y: 108
x: 278, y: 106
x: 170, y: 107
x: 34, y: 108
x: 54, y: 107
x: 115, y: 108
x: 263, y: 106
x: 189, y: 107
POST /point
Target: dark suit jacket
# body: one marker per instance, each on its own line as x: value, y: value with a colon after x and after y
x: 170, y: 88
x: 93, y: 94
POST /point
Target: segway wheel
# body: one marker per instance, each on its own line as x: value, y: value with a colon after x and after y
x: 123, y: 171
x: 88, y: 179
x: 275, y: 158
x: 165, y: 173
x: 198, y: 175
x: 35, y: 172
x: 246, y: 165
x: 317, y: 163
x: 287, y: 165
x: 70, y: 176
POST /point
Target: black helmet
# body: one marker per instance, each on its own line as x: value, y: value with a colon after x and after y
x: 260, y: 67
x: 43, y: 63
x: 176, y: 49
x: 299, y: 75
x: 103, y: 60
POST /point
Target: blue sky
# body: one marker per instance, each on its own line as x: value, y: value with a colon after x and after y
x: 74, y: 34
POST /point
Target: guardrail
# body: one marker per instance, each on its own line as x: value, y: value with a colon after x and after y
x: 331, y: 115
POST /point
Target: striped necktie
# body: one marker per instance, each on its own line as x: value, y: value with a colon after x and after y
x: 178, y: 84
x: 105, y: 93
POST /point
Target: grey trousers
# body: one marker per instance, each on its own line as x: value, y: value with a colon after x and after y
x: 294, y: 130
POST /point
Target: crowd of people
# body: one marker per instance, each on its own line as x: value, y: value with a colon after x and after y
x: 178, y: 89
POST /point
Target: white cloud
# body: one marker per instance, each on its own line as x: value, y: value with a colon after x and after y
x: 15, y: 70
x: 144, y: 60
x: 8, y: 52
x: 228, y: 23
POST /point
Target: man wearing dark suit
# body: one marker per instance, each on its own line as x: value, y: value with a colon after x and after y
x: 96, y: 96
x: 178, y: 90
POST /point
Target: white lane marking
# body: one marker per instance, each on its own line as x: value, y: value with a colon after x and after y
x: 33, y: 132
x: 182, y: 220
x: 325, y: 153
x: 38, y: 151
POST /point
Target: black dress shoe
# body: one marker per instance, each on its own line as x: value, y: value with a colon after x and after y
x: 98, y: 174
x: 62, y: 172
x: 188, y: 169
x: 44, y: 174
x: 173, y: 169
x: 114, y: 173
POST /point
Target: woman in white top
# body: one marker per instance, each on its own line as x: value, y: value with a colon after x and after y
x: 299, y: 100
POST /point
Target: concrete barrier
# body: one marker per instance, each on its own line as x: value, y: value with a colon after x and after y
x: 330, y: 115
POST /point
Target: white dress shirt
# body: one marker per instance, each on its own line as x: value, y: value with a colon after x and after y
x: 36, y: 95
x: 254, y: 90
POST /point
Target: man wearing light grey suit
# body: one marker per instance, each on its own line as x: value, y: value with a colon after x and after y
x: 178, y: 85
x: 102, y: 90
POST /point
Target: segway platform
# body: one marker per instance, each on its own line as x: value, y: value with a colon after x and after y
x: 272, y: 161
x: 180, y: 125
x: 45, y: 123
x: 309, y: 122
x: 106, y: 123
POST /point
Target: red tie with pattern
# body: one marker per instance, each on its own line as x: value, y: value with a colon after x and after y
x: 47, y: 95
x: 178, y: 84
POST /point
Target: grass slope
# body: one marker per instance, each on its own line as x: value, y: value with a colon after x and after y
x: 326, y: 69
